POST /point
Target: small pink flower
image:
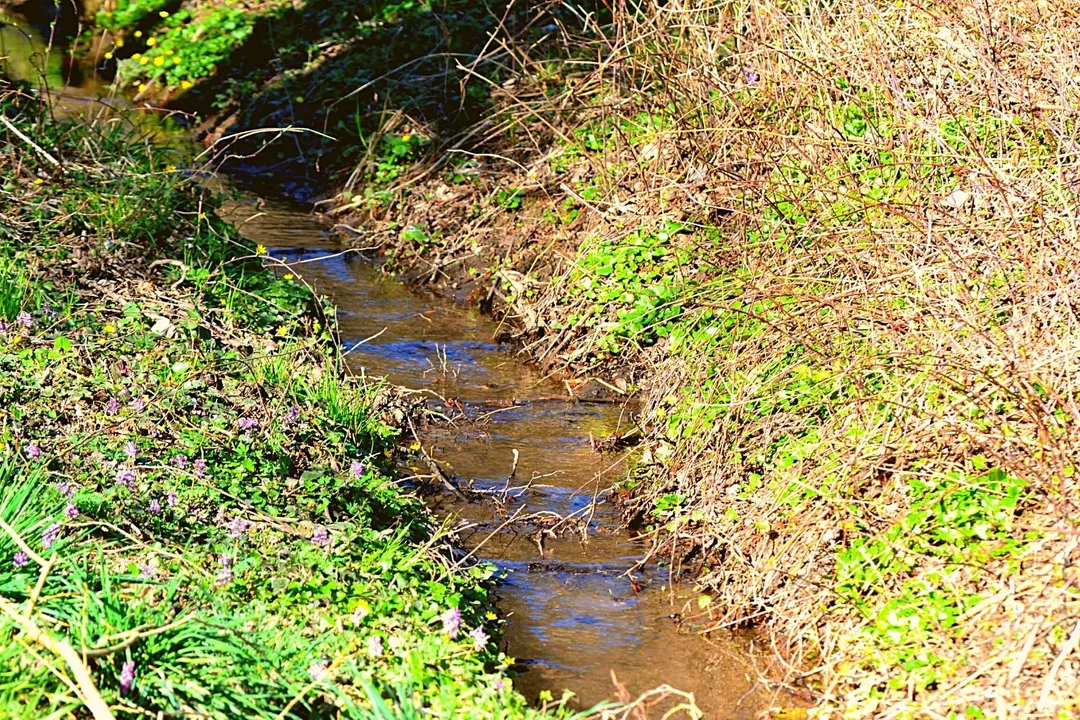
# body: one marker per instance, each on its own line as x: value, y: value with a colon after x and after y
x: 127, y: 676
x: 451, y: 621
x: 33, y: 451
x: 479, y: 638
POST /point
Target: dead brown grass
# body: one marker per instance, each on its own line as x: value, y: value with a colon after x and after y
x: 882, y: 200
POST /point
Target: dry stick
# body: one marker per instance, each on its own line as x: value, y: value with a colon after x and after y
x: 1066, y: 651
x: 484, y: 542
x: 36, y: 593
x: 21, y: 543
x: 438, y: 471
x: 37, y: 148
x: 89, y: 692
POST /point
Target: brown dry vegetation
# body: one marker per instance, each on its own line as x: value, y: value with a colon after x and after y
x: 863, y: 407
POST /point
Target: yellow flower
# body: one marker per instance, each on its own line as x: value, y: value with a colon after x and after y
x: 142, y: 87
x: 287, y: 276
x: 136, y: 56
x: 282, y: 332
x: 39, y: 181
x: 491, y: 616
x: 298, y: 99
x: 186, y: 84
x: 159, y: 61
x: 176, y: 61
x: 316, y: 326
x: 110, y: 328
x: 143, y: 60
x: 108, y: 56
x: 164, y: 13
x: 119, y: 42
x: 170, y: 168
x: 260, y: 249
x: 137, y: 33
x: 151, y: 41
x: 406, y: 137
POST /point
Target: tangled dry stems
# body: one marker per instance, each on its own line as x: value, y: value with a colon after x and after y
x: 883, y: 200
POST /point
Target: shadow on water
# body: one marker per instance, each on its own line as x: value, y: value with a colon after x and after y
x: 582, y: 613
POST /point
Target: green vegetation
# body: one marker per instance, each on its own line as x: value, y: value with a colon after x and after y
x: 834, y: 245
x: 195, y: 496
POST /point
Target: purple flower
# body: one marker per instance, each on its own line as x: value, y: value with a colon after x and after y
x: 357, y: 469
x: 292, y: 415
x: 752, y: 77
x: 451, y: 622
x: 320, y: 536
x: 126, y: 477
x: 49, y: 312
x: 146, y: 570
x: 33, y: 451
x: 49, y: 536
x: 131, y: 449
x: 180, y: 461
x: 21, y: 559
x: 374, y: 646
x: 170, y: 498
x: 112, y: 406
x: 247, y: 423
x: 200, y: 467
x: 138, y: 404
x: 479, y: 639
x: 66, y: 489
x: 127, y: 676
x: 3, y: 328
x: 237, y: 527
x: 72, y: 511
x: 24, y: 319
x: 225, y: 574
x: 318, y: 670
x: 155, y: 507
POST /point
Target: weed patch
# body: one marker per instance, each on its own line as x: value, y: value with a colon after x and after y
x: 195, y: 496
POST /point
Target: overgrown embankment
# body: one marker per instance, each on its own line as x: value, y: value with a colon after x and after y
x: 832, y: 245
x: 197, y: 512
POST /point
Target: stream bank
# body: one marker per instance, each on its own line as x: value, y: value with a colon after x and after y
x: 831, y: 248
x: 200, y: 512
x: 831, y: 244
x: 577, y: 618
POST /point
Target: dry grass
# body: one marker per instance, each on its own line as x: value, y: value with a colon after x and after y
x: 877, y: 317
x: 895, y: 187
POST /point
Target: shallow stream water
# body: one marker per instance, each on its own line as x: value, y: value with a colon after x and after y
x: 578, y: 620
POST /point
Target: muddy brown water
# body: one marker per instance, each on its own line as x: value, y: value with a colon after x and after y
x: 575, y: 621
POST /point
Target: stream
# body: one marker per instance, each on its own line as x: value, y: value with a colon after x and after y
x: 577, y: 620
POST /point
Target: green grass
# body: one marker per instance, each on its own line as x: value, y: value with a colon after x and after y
x: 210, y: 492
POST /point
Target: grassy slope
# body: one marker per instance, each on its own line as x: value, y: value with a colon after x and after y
x: 834, y: 245
x: 194, y: 488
